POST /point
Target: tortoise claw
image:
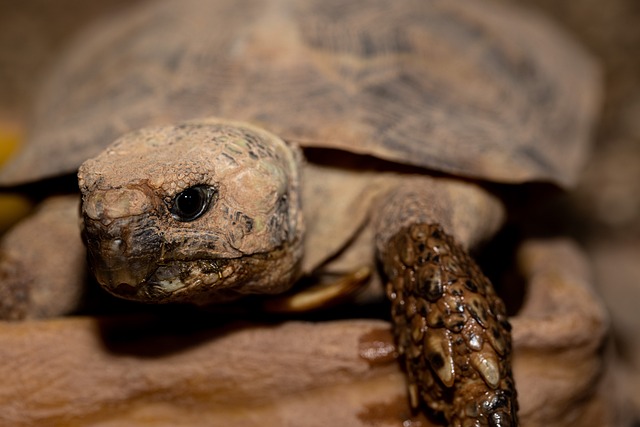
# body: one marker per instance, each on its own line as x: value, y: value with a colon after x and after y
x: 320, y: 295
x: 451, y: 329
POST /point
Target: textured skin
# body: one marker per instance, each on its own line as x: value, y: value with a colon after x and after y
x: 14, y: 292
x: 43, y: 267
x: 451, y: 329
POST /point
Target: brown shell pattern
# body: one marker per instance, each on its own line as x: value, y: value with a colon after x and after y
x: 451, y: 329
x: 478, y: 89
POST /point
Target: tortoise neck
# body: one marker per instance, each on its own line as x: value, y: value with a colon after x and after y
x: 464, y: 210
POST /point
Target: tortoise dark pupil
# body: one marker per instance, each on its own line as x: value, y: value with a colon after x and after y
x: 189, y: 202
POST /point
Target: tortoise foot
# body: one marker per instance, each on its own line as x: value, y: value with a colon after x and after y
x: 14, y: 292
x: 320, y: 295
x: 451, y: 329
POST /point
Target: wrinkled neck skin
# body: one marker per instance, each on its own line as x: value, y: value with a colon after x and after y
x: 464, y: 210
x: 200, y: 212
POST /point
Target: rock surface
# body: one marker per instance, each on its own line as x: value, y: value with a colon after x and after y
x: 150, y: 371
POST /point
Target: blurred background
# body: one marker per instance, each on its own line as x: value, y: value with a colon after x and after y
x: 603, y: 213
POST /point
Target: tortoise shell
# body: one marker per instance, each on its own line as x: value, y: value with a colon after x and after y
x: 476, y: 90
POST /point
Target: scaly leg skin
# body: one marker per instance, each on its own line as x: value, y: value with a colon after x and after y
x: 43, y: 263
x: 451, y: 328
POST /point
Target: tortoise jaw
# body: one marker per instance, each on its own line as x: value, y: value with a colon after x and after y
x: 164, y: 282
x: 139, y: 268
x: 120, y: 257
x: 177, y: 280
x: 116, y: 272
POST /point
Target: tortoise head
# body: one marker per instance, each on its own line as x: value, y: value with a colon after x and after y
x: 198, y: 212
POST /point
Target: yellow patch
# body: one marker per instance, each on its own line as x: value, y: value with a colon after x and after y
x: 13, y: 207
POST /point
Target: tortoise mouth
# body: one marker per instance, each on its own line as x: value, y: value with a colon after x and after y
x: 172, y: 281
x: 130, y: 259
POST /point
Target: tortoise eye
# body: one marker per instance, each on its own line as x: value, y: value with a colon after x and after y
x: 192, y: 202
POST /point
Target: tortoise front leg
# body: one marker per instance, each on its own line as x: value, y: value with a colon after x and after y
x: 451, y: 329
x: 43, y: 263
x: 450, y: 326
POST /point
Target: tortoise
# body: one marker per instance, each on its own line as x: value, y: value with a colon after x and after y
x: 231, y: 148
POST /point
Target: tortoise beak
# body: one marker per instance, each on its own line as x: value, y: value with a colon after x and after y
x: 115, y: 268
x: 123, y: 243
x: 121, y: 262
